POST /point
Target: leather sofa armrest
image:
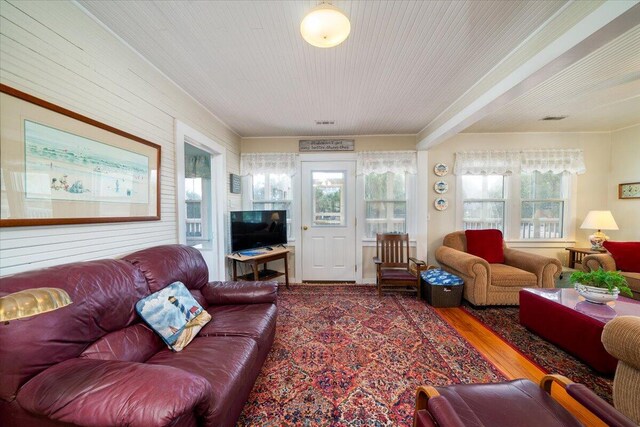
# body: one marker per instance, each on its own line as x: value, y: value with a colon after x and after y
x: 595, y: 261
x: 443, y: 412
x: 598, y: 406
x: 228, y: 293
x: 621, y: 339
x: 461, y: 261
x: 108, y: 392
x: 545, y: 268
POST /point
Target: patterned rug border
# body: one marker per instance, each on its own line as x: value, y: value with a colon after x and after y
x: 507, y: 342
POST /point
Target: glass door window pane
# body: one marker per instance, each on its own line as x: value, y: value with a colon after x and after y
x: 328, y: 198
x: 198, y: 198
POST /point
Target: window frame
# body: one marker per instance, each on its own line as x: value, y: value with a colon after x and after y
x: 248, y: 201
x: 512, y: 212
x: 410, y: 208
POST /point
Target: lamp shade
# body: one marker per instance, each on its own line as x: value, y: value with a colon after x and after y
x: 599, y: 220
x: 325, y: 26
x: 30, y: 302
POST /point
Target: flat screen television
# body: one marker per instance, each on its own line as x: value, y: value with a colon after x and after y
x: 258, y: 229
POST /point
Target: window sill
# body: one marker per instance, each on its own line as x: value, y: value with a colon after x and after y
x: 540, y: 243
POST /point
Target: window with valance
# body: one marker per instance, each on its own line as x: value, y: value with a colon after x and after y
x: 388, y: 182
x: 526, y: 194
x: 269, y: 176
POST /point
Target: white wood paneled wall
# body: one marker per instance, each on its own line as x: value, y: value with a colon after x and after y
x: 54, y: 51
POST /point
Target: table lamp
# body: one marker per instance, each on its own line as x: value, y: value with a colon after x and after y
x: 599, y: 220
x: 31, y: 302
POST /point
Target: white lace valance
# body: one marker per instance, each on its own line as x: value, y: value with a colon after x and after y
x: 509, y: 162
x: 256, y: 163
x: 555, y: 161
x: 487, y: 162
x: 387, y: 161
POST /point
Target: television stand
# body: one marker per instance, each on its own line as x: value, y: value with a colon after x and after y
x: 262, y: 258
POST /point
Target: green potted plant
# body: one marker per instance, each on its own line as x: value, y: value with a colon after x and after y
x: 600, y: 286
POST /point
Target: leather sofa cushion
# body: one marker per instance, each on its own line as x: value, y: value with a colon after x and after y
x: 229, y: 364
x: 504, y: 275
x: 487, y: 244
x: 135, y: 343
x: 506, y: 404
x: 104, y: 294
x: 257, y: 321
x: 163, y: 265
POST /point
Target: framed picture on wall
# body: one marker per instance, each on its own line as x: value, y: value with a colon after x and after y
x: 629, y: 190
x: 59, y: 167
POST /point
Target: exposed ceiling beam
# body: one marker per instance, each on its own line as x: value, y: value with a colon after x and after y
x: 532, y: 63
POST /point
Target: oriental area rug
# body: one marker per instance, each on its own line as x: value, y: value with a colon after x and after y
x: 343, y: 356
x: 504, y: 322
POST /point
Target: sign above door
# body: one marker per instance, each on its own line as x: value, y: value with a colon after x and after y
x: 326, y: 145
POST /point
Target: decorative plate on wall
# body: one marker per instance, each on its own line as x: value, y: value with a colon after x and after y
x: 441, y: 204
x: 441, y: 187
x: 441, y: 169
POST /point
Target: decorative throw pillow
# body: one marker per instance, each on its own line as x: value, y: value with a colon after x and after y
x: 486, y: 244
x: 625, y: 254
x: 173, y: 314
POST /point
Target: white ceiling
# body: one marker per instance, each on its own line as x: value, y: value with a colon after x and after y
x: 601, y: 92
x: 404, y: 63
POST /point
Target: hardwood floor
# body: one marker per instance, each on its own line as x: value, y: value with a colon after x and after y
x: 509, y: 361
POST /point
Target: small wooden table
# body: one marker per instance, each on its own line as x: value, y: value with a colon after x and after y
x: 576, y: 255
x: 262, y: 256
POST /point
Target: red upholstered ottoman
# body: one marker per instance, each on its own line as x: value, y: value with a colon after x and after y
x: 565, y: 319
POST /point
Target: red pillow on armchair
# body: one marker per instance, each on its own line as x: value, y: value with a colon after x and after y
x: 625, y: 254
x: 486, y: 244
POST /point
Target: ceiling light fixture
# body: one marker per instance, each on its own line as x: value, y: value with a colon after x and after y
x: 325, y: 26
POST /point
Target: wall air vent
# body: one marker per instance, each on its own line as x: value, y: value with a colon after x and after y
x: 554, y: 118
x: 325, y: 122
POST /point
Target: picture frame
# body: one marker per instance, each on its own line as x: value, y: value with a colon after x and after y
x: 629, y: 190
x: 60, y: 167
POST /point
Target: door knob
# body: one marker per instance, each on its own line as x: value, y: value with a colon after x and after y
x: 305, y: 227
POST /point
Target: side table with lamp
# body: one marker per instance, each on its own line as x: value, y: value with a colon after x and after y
x: 599, y: 220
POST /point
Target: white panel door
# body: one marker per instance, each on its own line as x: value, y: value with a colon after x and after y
x: 328, y: 221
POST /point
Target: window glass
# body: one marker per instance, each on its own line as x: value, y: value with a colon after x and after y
x: 385, y: 203
x: 537, y: 211
x: 328, y: 198
x: 273, y: 192
x: 483, y: 202
x: 542, y: 205
x: 198, y: 199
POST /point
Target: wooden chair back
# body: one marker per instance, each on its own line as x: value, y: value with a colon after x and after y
x: 393, y: 250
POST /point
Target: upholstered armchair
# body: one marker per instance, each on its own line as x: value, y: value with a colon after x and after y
x: 621, y: 338
x: 496, y: 283
x: 628, y: 254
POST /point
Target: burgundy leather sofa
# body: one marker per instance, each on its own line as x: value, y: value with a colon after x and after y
x: 95, y: 363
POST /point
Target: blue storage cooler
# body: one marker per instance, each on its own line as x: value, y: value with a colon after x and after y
x: 441, y: 289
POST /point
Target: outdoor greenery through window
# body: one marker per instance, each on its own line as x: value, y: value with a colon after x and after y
x: 542, y: 198
x: 525, y: 206
x: 329, y: 198
x: 483, y: 202
x: 386, y: 203
x: 273, y: 191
